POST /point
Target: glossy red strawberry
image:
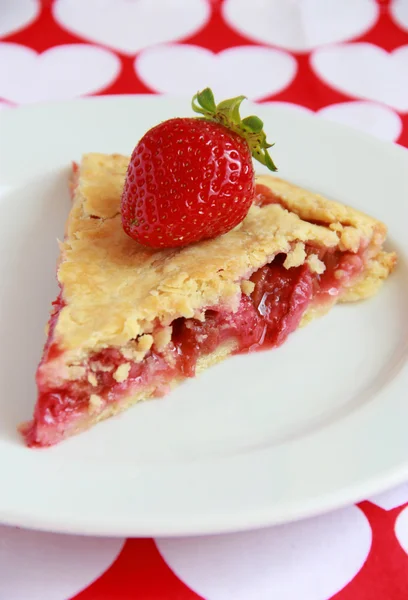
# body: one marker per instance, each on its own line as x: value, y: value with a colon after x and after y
x: 191, y: 179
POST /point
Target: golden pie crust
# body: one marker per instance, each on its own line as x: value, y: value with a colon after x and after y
x: 116, y: 291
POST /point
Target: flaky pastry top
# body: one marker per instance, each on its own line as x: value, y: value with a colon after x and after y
x: 115, y: 290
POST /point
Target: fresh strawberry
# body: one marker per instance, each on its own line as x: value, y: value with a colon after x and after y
x: 191, y: 179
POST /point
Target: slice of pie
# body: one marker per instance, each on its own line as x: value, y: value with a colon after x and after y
x: 130, y: 322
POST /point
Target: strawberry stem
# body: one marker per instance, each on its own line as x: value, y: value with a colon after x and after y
x: 227, y: 113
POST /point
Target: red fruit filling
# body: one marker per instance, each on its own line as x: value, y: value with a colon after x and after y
x: 263, y: 320
x: 72, y: 398
x: 264, y: 196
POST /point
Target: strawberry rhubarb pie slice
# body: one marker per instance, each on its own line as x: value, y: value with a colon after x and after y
x: 148, y: 300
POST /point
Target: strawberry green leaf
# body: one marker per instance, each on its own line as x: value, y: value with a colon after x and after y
x: 227, y: 113
x: 230, y: 109
x: 206, y: 100
x: 253, y: 124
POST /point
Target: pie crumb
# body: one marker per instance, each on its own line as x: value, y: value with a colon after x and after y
x: 162, y: 337
x: 315, y: 264
x: 296, y: 256
x: 92, y: 379
x: 136, y: 350
x: 247, y: 287
x: 95, y: 402
x: 122, y: 372
x: 350, y: 239
x: 144, y: 343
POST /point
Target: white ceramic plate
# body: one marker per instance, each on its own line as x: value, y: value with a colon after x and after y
x: 258, y: 440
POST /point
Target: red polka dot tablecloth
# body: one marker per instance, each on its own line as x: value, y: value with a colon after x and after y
x: 347, y: 60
